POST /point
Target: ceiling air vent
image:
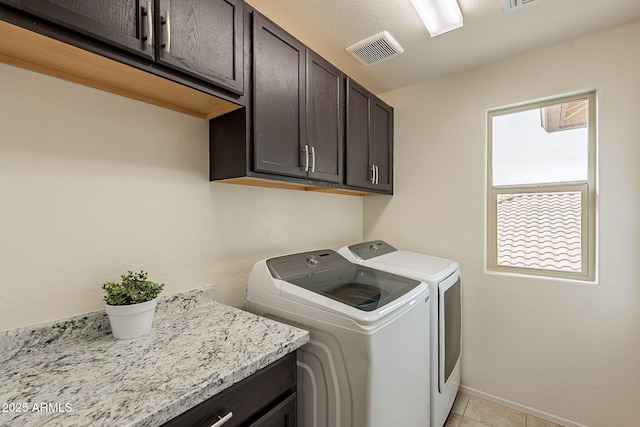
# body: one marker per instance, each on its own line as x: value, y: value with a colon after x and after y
x: 511, y: 5
x: 374, y: 49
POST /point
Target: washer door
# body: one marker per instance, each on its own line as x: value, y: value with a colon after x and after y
x: 449, y: 328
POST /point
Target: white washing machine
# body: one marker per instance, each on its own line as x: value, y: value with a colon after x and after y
x: 443, y: 278
x: 367, y: 362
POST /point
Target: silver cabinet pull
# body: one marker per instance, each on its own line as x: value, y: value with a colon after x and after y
x: 313, y: 159
x: 167, y: 38
x: 222, y: 420
x: 374, y: 174
x: 168, y: 32
x: 306, y: 158
x: 377, y: 175
x: 149, y: 23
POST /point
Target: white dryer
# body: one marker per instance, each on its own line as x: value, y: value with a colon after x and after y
x: 367, y: 362
x: 443, y: 278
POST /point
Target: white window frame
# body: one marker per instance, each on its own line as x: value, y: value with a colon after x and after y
x: 588, y: 190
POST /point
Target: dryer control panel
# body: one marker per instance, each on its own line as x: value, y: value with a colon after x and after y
x: 368, y: 250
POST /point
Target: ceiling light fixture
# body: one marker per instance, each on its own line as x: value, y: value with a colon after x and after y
x: 439, y: 16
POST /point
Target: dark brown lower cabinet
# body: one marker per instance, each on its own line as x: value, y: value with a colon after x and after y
x: 265, y: 399
x: 283, y: 415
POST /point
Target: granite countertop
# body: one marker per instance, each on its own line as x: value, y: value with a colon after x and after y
x: 74, y: 373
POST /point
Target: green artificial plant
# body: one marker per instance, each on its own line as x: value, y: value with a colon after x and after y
x: 134, y: 289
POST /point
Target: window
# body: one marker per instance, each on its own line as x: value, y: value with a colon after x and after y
x: 541, y: 196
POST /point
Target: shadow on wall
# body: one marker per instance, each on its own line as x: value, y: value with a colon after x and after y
x: 373, y: 211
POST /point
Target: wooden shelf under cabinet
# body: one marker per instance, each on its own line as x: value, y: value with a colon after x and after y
x: 285, y: 183
x: 35, y: 52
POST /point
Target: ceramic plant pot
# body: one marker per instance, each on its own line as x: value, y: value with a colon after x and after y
x: 131, y: 321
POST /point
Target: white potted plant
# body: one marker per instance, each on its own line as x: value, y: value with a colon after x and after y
x: 131, y: 305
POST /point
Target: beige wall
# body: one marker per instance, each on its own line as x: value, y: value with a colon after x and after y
x: 566, y: 349
x: 93, y: 184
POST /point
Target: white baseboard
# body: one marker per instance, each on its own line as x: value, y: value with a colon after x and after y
x: 521, y: 408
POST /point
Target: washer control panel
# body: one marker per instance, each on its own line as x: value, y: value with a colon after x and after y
x: 289, y: 267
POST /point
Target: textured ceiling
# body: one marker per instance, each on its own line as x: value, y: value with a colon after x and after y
x: 489, y: 34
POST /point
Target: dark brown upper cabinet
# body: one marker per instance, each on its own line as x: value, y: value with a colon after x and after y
x: 202, y: 38
x: 127, y: 24
x: 299, y: 104
x: 369, y: 159
x: 325, y: 119
x: 293, y: 131
x: 278, y: 100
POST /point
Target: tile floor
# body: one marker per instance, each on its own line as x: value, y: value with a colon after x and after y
x: 471, y: 411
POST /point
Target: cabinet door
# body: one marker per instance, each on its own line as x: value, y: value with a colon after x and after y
x: 202, y: 38
x: 127, y: 24
x: 382, y: 144
x: 369, y: 140
x: 358, y: 163
x: 278, y: 101
x: 325, y: 118
x: 283, y: 415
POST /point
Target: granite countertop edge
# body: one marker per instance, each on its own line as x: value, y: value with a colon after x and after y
x: 197, y: 348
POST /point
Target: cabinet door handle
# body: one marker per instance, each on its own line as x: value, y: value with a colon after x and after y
x: 306, y: 158
x: 377, y: 175
x: 222, y: 420
x: 166, y: 21
x: 374, y: 174
x: 148, y: 13
x: 313, y: 159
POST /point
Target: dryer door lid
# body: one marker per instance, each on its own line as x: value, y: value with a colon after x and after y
x: 411, y: 264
